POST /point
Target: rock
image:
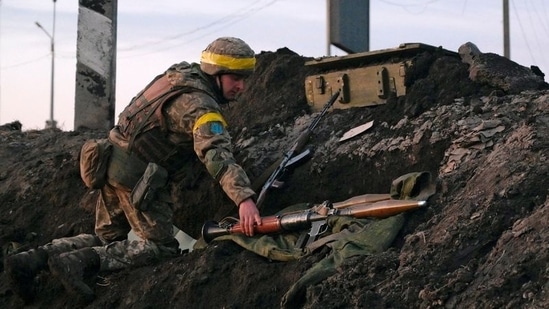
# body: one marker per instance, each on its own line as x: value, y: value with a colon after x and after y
x: 500, y: 72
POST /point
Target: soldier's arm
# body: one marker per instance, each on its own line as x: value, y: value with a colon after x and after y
x: 195, y: 115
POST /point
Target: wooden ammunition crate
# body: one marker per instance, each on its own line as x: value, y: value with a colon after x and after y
x: 366, y: 79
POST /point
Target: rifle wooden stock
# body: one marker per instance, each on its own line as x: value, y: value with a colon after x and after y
x: 300, y: 220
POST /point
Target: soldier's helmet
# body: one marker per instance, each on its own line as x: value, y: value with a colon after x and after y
x: 228, y: 55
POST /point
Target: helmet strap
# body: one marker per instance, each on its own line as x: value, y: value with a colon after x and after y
x: 219, y: 85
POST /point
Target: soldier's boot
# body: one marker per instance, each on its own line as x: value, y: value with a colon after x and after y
x: 21, y: 270
x: 72, y: 267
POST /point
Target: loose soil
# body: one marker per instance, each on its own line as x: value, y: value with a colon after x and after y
x: 482, y: 242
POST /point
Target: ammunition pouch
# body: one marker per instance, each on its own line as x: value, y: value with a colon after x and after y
x: 94, y: 160
x: 148, y: 188
x: 125, y: 168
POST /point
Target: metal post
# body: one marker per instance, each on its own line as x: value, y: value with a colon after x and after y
x: 51, y: 123
x: 328, y: 42
x: 0, y: 64
x: 506, y: 39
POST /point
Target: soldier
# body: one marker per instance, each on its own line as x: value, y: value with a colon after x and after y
x: 175, y: 120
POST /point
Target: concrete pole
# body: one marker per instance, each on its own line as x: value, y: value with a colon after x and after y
x: 95, y: 65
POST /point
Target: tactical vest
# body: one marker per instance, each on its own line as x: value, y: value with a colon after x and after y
x: 144, y: 123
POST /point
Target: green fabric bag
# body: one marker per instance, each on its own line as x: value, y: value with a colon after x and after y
x: 347, y: 237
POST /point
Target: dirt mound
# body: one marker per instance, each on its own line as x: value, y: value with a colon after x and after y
x: 481, y: 243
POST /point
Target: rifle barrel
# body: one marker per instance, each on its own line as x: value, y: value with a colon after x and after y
x: 325, y: 109
x: 296, y: 147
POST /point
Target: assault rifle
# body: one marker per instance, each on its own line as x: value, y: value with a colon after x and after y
x: 290, y: 155
x: 315, y: 218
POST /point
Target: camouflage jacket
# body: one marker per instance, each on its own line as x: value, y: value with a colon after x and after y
x: 177, y: 119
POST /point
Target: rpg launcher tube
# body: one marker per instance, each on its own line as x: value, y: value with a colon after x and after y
x: 382, y: 209
x: 269, y: 225
x: 302, y: 220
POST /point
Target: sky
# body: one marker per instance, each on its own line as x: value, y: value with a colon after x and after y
x: 152, y: 35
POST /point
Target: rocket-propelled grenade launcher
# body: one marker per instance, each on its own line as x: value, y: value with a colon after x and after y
x: 315, y: 218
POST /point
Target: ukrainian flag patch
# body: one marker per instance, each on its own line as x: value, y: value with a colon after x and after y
x: 216, y: 127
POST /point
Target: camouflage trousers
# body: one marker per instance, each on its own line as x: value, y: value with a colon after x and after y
x: 115, y: 216
x: 115, y: 255
x: 66, y: 244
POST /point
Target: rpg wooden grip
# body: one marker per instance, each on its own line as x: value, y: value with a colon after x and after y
x: 270, y: 224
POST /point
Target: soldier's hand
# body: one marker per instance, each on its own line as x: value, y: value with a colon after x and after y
x: 249, y: 216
